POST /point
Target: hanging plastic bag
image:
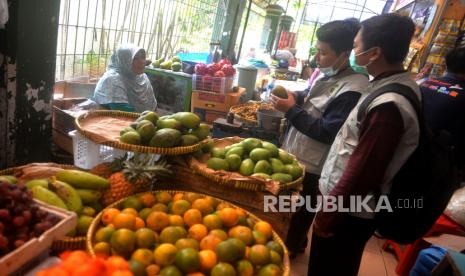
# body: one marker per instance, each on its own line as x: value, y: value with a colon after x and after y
x: 3, y: 13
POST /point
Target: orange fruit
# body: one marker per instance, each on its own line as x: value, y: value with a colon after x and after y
x: 104, y: 234
x: 208, y: 260
x: 187, y: 260
x: 171, y: 270
x: 115, y: 263
x: 143, y: 256
x: 264, y: 228
x: 230, y: 250
x: 176, y: 220
x: 192, y: 216
x: 212, y: 201
x: 187, y: 243
x: 180, y: 207
x: 241, y: 213
x: 144, y: 213
x: 165, y: 254
x: 147, y: 199
x: 146, y: 238
x: 178, y: 196
x: 223, y: 269
x: 242, y: 233
x: 209, y: 242
x: 160, y: 207
x: 219, y: 233
x: 195, y: 274
x: 163, y: 197
x: 198, y: 231
x: 270, y: 270
x: 131, y: 211
x: 152, y: 270
x: 102, y: 249
x: 203, y: 206
x: 259, y: 255
x: 244, y: 268
x: 212, y: 221
x: 157, y: 221
x: 172, y: 233
x: 275, y: 258
x: 275, y: 246
x: 222, y: 205
x: 123, y: 220
x: 122, y: 273
x: 123, y: 242
x: 191, y: 197
x: 229, y: 216
x: 139, y: 223
x: 259, y: 238
x: 109, y: 214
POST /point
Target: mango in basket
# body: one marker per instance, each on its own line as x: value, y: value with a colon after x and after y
x: 202, y: 131
x: 166, y: 138
x: 187, y: 119
x: 131, y: 137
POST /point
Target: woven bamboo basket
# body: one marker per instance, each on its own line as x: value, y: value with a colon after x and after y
x: 66, y: 243
x: 128, y: 147
x: 243, y: 182
x: 96, y: 222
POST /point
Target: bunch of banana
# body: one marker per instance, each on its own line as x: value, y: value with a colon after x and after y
x: 72, y: 190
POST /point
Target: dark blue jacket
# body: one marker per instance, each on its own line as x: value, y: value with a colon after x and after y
x: 444, y: 108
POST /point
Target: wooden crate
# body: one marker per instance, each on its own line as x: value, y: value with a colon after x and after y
x: 185, y: 179
x: 63, y: 122
x: 215, y: 101
x: 19, y: 261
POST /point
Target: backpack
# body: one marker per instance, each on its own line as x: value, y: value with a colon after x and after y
x: 427, y: 177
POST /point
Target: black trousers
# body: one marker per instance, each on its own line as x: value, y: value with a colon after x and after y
x: 302, y: 219
x: 340, y: 254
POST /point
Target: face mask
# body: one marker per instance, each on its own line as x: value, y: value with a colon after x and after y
x: 355, y: 67
x: 353, y: 56
x: 330, y: 71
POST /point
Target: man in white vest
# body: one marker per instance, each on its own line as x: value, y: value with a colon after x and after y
x: 316, y: 118
x: 366, y: 155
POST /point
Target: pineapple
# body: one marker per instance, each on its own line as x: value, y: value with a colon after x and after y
x: 106, y: 169
x: 137, y: 175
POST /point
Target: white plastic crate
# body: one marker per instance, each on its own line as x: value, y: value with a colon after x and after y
x: 88, y: 154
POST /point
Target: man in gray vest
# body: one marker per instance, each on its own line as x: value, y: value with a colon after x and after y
x: 366, y: 154
x: 316, y: 118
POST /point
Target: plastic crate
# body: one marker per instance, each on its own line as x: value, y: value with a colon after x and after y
x: 213, y: 84
x: 196, y: 57
x: 88, y: 154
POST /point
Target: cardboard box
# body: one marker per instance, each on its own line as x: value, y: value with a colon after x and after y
x: 214, y: 101
x: 209, y: 116
x: 63, y: 122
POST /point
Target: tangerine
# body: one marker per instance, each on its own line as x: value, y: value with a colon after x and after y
x: 229, y: 216
x: 192, y: 216
x: 207, y: 259
x: 157, y: 221
x: 108, y: 215
x: 198, y: 231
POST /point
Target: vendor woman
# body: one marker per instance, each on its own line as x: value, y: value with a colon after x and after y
x: 125, y: 86
x: 315, y: 119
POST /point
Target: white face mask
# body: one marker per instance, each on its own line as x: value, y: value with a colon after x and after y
x: 330, y: 71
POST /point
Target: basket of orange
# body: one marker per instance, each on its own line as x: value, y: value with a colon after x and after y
x: 177, y: 232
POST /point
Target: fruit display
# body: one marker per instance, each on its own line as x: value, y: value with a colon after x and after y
x: 179, y: 233
x: 176, y: 130
x: 21, y: 219
x: 256, y: 158
x: 81, y: 263
x: 215, y: 77
x: 174, y: 64
x: 248, y: 111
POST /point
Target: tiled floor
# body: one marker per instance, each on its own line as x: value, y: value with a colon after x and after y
x: 375, y: 261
